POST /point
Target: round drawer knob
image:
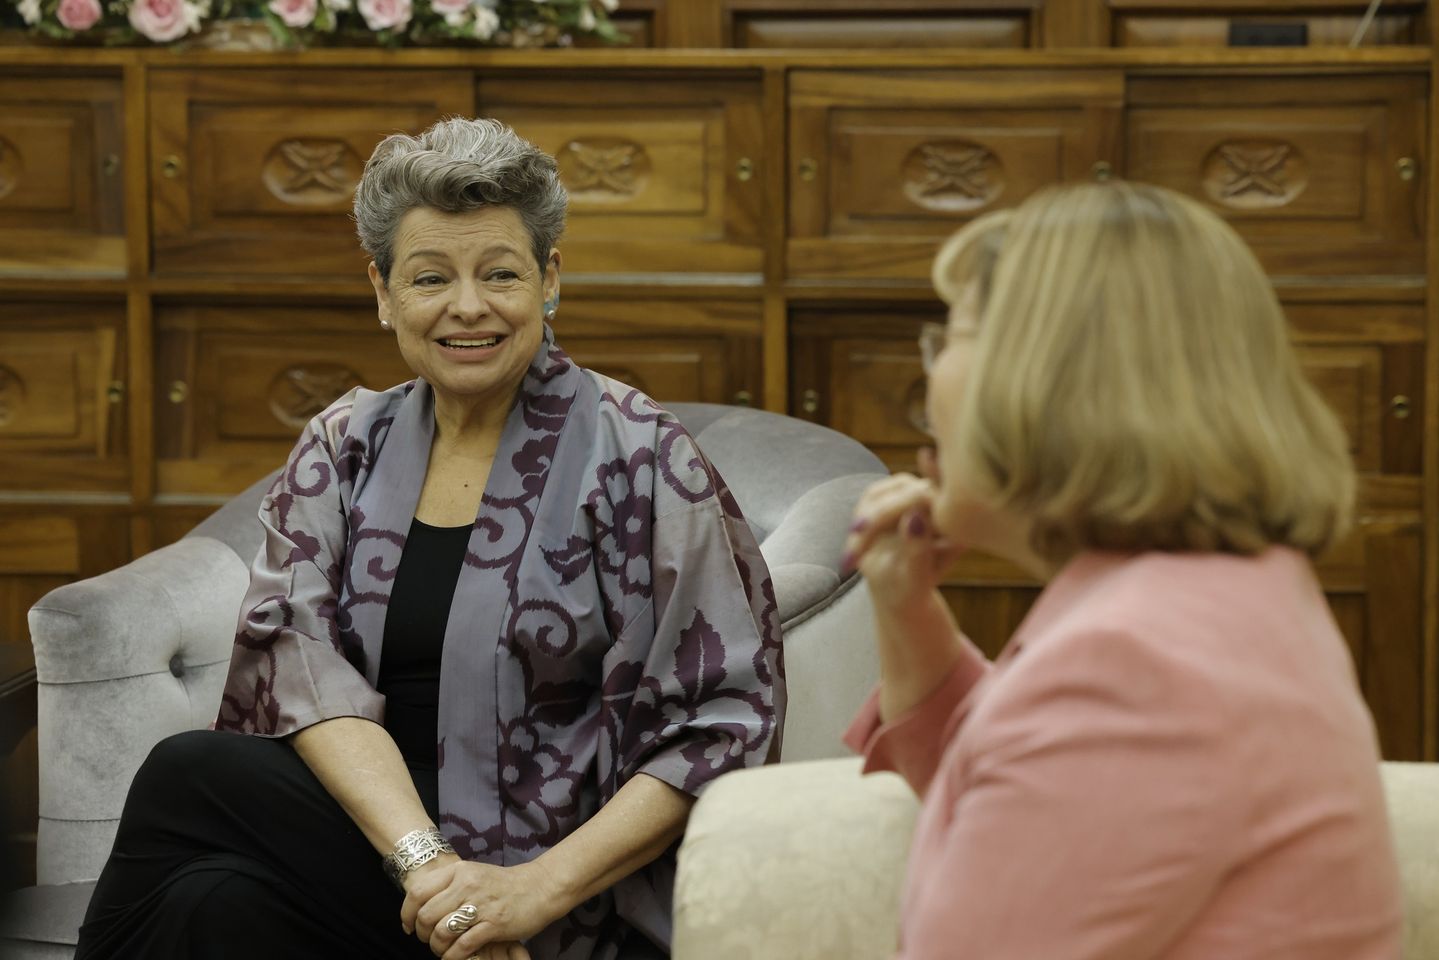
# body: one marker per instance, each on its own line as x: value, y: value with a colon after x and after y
x: 744, y: 398
x: 115, y: 392
x: 1408, y: 168
x: 744, y: 169
x: 171, y: 167
x: 809, y: 402
x: 808, y: 169
x: 179, y: 392
x: 1401, y: 406
x: 1102, y: 171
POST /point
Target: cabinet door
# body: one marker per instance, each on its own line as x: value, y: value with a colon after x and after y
x: 894, y: 24
x: 885, y: 165
x: 61, y: 203
x: 1174, y: 23
x: 62, y: 411
x: 254, y: 172
x: 236, y: 385
x: 1320, y: 175
x: 675, y: 351
x: 665, y: 174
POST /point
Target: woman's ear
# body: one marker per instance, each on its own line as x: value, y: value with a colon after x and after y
x: 382, y: 296
x: 551, y: 288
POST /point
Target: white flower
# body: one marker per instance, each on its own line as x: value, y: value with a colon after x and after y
x: 610, y: 5
x: 194, y: 13
x: 486, y: 23
x: 455, y: 18
x: 30, y: 11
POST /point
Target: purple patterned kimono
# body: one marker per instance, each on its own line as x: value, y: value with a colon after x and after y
x: 613, y: 617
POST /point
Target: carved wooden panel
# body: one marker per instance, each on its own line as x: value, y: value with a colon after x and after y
x: 61, y: 203
x: 665, y: 175
x: 1390, y: 27
x: 887, y: 164
x: 62, y: 397
x: 254, y: 173
x: 675, y: 351
x: 235, y: 385
x: 1320, y: 176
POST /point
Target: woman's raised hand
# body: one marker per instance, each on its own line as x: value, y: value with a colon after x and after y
x: 511, y: 904
x: 893, y: 541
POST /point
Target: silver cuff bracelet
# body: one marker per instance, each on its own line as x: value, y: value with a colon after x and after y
x: 414, y: 849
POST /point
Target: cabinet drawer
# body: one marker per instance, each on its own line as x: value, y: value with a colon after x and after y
x: 255, y: 173
x: 859, y: 371
x: 885, y: 165
x: 61, y: 201
x: 664, y: 174
x: 235, y: 385
x: 1320, y: 176
x: 842, y: 31
x: 676, y: 351
x: 62, y: 413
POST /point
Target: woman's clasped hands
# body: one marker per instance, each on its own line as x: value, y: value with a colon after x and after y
x: 510, y: 905
x: 894, y: 542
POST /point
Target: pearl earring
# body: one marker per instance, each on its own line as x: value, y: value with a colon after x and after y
x: 385, y: 324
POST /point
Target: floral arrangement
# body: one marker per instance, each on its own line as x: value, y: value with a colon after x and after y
x: 508, y: 23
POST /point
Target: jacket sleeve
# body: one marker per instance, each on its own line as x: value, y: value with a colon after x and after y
x: 291, y: 665
x: 913, y: 743
x: 1090, y: 815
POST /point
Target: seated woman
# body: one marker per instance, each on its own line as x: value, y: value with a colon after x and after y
x: 1170, y: 758
x: 506, y: 623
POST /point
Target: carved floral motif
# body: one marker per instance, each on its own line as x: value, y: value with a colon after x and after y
x: 1255, y: 173
x: 605, y: 168
x: 307, y: 172
x: 9, y: 167
x: 299, y: 393
x: 12, y: 396
x: 952, y: 175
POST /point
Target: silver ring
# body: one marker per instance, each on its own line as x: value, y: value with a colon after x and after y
x: 463, y: 919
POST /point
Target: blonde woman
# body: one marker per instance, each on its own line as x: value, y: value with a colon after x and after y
x: 1171, y: 758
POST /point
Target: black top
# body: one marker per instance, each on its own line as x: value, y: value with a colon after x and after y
x: 414, y: 638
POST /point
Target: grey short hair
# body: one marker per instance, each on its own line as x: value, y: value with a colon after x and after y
x: 458, y: 165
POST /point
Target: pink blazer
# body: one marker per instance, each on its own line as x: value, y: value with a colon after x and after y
x: 1170, y: 759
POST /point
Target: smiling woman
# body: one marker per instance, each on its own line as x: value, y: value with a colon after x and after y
x: 507, y: 623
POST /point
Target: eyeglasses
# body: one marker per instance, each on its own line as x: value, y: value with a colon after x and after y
x: 932, y: 340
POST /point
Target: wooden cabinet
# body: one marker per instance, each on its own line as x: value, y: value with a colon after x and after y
x: 1320, y: 175
x: 61, y: 150
x: 1219, y: 23
x: 237, y: 384
x: 62, y: 397
x: 253, y: 172
x: 861, y: 24
x: 884, y: 165
x: 665, y: 174
x: 676, y: 351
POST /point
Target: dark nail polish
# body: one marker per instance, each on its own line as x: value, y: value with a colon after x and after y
x: 859, y: 524
x: 917, y: 526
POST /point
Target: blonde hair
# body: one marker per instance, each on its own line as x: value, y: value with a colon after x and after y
x: 1133, y: 387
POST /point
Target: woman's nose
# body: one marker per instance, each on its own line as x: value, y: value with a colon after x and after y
x: 469, y: 301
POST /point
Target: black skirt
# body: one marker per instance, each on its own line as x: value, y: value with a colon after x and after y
x: 229, y: 847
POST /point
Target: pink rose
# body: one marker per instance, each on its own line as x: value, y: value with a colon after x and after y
x: 385, y: 14
x: 159, y: 20
x: 295, y: 13
x: 78, y: 15
x: 449, y: 6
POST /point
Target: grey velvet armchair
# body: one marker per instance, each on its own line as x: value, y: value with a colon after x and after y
x: 134, y: 655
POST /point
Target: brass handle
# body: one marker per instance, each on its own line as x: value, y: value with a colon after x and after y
x: 1102, y: 171
x: 809, y: 402
x: 115, y: 392
x: 179, y: 392
x: 744, y: 399
x: 1401, y: 406
x: 808, y: 169
x: 744, y: 169
x: 111, y: 164
x: 1408, y: 168
x: 171, y: 167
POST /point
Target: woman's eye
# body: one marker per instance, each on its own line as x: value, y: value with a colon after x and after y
x: 503, y: 275
x: 428, y: 280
